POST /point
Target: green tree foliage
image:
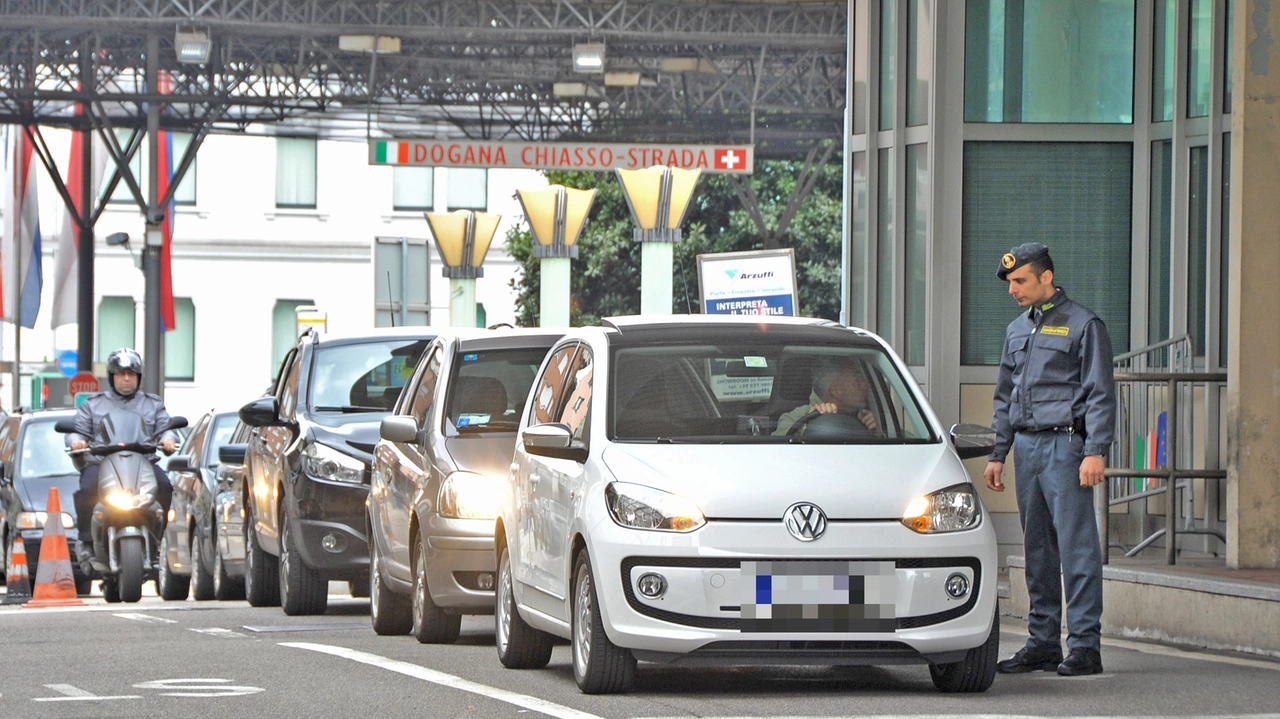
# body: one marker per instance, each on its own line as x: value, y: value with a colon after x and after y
x: 605, y: 278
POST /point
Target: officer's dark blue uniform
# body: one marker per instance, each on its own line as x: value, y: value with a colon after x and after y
x: 1055, y: 404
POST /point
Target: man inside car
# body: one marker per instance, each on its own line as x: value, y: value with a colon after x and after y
x: 839, y: 385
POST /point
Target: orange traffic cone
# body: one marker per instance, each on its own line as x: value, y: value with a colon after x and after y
x: 18, y: 579
x: 55, y: 584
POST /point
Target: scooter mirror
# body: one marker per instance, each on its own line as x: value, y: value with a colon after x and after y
x: 65, y: 426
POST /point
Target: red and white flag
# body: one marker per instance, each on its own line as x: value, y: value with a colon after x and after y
x: 66, y: 258
x: 21, y: 276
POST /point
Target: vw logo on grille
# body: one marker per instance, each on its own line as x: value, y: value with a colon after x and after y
x: 805, y: 521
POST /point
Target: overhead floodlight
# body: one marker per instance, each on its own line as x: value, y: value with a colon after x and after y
x: 381, y: 44
x: 622, y: 79
x: 192, y: 48
x: 588, y: 57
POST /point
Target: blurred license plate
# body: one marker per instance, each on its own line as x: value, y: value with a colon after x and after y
x: 818, y: 596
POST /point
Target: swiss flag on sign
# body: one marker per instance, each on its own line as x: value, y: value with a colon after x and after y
x: 730, y: 159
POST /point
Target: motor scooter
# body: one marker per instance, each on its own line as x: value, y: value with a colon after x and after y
x: 127, y: 521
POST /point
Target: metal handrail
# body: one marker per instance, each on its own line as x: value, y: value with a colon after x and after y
x: 1171, y: 473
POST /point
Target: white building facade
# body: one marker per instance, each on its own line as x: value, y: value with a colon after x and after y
x: 265, y: 224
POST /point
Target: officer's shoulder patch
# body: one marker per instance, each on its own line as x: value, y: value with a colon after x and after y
x: 1055, y: 331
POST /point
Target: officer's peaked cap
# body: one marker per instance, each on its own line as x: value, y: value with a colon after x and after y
x: 1019, y: 256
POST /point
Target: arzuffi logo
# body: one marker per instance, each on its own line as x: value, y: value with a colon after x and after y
x: 805, y: 521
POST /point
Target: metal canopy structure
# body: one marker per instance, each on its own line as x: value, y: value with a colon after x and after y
x: 768, y: 73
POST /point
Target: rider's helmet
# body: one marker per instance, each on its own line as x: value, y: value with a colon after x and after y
x: 124, y: 358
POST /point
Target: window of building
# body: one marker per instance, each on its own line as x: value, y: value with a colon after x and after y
x: 468, y: 188
x: 412, y: 188
x: 1227, y: 80
x: 1049, y: 61
x: 857, y: 266
x: 1224, y: 266
x: 1164, y: 37
x: 296, y: 172
x: 180, y: 342
x: 1198, y: 247
x: 186, y: 192
x: 919, y: 60
x: 888, y: 31
x: 1082, y: 211
x: 885, y: 246
x: 916, y: 258
x: 116, y: 318
x: 861, y: 33
x: 284, y: 329
x: 1199, y: 55
x: 1160, y: 241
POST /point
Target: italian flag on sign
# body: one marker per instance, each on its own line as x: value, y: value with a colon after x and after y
x: 392, y: 153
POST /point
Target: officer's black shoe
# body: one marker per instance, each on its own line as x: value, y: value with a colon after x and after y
x: 1080, y: 662
x: 1030, y: 660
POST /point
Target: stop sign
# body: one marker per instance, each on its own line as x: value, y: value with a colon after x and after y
x: 82, y: 383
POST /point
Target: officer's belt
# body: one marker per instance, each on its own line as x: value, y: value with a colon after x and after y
x: 1076, y: 427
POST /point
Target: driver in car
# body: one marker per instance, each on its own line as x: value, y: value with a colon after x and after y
x: 124, y: 372
x: 839, y: 385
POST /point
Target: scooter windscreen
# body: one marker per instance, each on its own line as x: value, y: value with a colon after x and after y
x: 122, y: 428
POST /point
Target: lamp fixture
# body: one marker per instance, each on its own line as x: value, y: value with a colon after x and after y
x: 588, y: 57
x: 462, y: 239
x: 658, y: 197
x: 556, y: 218
x: 380, y: 44
x: 192, y: 47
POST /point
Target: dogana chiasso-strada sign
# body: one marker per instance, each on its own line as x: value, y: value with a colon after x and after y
x: 600, y: 157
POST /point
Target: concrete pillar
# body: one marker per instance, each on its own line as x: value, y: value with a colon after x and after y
x: 1253, y: 386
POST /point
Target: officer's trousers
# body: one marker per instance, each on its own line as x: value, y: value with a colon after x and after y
x: 1061, y: 540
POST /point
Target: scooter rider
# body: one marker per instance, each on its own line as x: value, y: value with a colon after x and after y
x: 124, y: 372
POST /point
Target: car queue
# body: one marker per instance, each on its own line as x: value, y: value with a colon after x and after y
x: 652, y: 490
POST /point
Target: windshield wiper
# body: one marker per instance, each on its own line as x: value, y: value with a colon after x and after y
x: 351, y: 408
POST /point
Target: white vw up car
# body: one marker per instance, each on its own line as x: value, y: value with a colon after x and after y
x: 674, y: 499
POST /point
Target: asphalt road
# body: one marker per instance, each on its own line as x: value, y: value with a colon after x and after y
x: 229, y: 660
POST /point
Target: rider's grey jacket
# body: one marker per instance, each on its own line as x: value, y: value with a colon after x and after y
x: 1056, y: 373
x: 149, y: 406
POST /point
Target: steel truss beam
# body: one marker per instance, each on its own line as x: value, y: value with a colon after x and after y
x: 768, y: 72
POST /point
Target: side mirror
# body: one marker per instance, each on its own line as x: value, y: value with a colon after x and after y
x: 65, y: 426
x: 973, y: 440
x: 176, y: 423
x: 262, y: 412
x: 180, y: 463
x: 553, y: 439
x: 399, y: 428
x: 232, y: 453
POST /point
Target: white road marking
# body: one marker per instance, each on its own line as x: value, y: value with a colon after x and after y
x: 139, y: 617
x: 74, y: 694
x: 218, y: 632
x: 199, y: 688
x: 541, y: 706
x: 1010, y: 716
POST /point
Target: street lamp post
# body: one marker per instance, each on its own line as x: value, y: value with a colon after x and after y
x: 658, y: 197
x: 556, y: 218
x: 462, y: 239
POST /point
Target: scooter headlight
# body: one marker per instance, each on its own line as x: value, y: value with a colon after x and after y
x: 126, y: 500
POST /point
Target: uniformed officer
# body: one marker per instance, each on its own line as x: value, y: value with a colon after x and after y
x: 1055, y: 405
x: 124, y: 371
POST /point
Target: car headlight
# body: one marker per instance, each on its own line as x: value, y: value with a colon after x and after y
x: 467, y: 495
x: 640, y: 507
x: 946, y: 510
x: 36, y: 520
x: 124, y: 499
x: 324, y: 462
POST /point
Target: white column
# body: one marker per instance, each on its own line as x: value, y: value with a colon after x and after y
x: 553, y: 300
x: 656, y: 267
x: 462, y: 303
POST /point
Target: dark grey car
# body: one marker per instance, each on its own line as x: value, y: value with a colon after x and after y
x: 187, y: 547
x: 433, y: 492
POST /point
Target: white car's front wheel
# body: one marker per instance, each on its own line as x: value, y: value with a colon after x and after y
x: 974, y: 673
x: 599, y: 665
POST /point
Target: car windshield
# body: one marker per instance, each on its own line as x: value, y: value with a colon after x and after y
x: 44, y: 452
x: 489, y: 389
x: 365, y: 377
x: 762, y: 392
